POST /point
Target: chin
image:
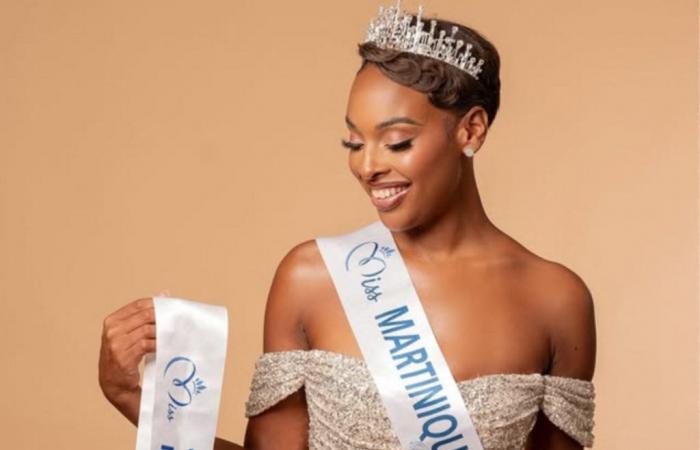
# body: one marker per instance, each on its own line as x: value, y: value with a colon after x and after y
x: 396, y: 220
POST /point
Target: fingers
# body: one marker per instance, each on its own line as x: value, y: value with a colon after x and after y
x: 116, y: 331
x: 128, y: 334
x: 130, y: 331
x: 133, y: 307
x: 138, y: 319
x: 117, y: 345
x: 129, y: 309
x: 134, y: 354
x: 144, y: 332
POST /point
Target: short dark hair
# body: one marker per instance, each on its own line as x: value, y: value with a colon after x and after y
x: 446, y: 86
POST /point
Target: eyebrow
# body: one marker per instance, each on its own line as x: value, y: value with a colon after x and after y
x: 386, y: 123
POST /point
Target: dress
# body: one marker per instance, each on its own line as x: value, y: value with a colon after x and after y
x: 346, y: 411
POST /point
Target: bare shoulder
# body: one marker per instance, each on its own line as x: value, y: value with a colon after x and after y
x: 302, y: 262
x: 298, y: 278
x: 566, y: 306
x: 565, y: 292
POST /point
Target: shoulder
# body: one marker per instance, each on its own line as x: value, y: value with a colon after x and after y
x: 298, y: 278
x: 566, y: 307
x: 564, y: 293
x: 301, y: 273
x: 302, y: 261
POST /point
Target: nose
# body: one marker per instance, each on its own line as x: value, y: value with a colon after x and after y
x: 371, y: 163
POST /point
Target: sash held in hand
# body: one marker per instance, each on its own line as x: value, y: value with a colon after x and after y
x: 181, y: 385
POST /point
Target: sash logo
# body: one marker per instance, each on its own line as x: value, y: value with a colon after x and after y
x: 368, y: 259
x: 181, y: 371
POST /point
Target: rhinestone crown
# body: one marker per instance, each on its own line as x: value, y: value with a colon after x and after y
x: 391, y: 29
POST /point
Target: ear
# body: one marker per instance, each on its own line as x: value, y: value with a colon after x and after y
x: 472, y: 128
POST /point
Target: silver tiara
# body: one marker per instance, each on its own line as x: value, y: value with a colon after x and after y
x: 391, y: 29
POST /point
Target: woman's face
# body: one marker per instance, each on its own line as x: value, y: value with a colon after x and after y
x: 405, y: 152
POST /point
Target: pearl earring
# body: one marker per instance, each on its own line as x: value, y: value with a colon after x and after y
x: 468, y: 151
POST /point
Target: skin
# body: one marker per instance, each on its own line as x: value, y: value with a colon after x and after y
x: 494, y: 306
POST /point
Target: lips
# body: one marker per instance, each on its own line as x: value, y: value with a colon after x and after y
x: 388, y: 196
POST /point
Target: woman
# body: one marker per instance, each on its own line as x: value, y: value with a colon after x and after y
x: 517, y: 331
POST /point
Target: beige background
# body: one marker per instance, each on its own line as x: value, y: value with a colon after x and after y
x: 147, y: 145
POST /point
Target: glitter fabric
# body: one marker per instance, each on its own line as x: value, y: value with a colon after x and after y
x: 346, y: 412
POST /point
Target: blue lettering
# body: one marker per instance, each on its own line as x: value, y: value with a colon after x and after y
x: 428, y: 394
x: 451, y: 425
x: 393, y: 314
x: 428, y: 368
x: 371, y: 291
x: 433, y: 411
x: 420, y: 356
x: 401, y: 342
x: 421, y: 383
x: 432, y: 405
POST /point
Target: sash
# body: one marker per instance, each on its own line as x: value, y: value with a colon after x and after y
x: 181, y: 384
x: 415, y: 384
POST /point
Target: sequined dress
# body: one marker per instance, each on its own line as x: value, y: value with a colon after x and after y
x: 346, y: 412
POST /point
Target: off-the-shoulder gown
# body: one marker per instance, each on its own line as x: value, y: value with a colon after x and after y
x: 346, y: 412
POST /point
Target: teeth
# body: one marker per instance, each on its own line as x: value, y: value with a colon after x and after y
x: 388, y: 192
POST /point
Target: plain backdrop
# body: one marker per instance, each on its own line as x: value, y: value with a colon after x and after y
x: 150, y: 145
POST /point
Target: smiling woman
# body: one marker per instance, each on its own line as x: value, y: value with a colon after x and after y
x: 477, y: 342
x: 517, y: 331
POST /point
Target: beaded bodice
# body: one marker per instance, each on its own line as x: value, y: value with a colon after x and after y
x: 346, y: 412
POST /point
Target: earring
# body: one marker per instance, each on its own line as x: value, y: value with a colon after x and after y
x: 468, y: 151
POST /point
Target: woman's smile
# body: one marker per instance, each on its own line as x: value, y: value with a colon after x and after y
x: 388, y: 198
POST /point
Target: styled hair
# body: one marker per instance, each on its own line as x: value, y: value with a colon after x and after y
x: 446, y: 86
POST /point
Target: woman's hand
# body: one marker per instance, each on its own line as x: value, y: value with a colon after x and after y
x: 127, y: 335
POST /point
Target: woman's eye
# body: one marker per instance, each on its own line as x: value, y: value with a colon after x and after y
x: 350, y: 145
x: 403, y: 145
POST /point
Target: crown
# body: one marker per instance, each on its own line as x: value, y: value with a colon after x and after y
x: 391, y: 29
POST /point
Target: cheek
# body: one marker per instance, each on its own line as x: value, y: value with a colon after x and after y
x: 430, y: 168
x: 352, y: 163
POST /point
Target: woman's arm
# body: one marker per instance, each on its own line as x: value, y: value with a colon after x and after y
x: 569, y: 314
x: 284, y: 426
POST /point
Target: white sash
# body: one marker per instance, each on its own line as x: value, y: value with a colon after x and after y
x: 181, y: 385
x: 415, y: 384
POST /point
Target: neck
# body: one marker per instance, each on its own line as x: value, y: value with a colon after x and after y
x: 461, y: 230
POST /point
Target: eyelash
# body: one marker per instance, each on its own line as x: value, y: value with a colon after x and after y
x: 400, y: 146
